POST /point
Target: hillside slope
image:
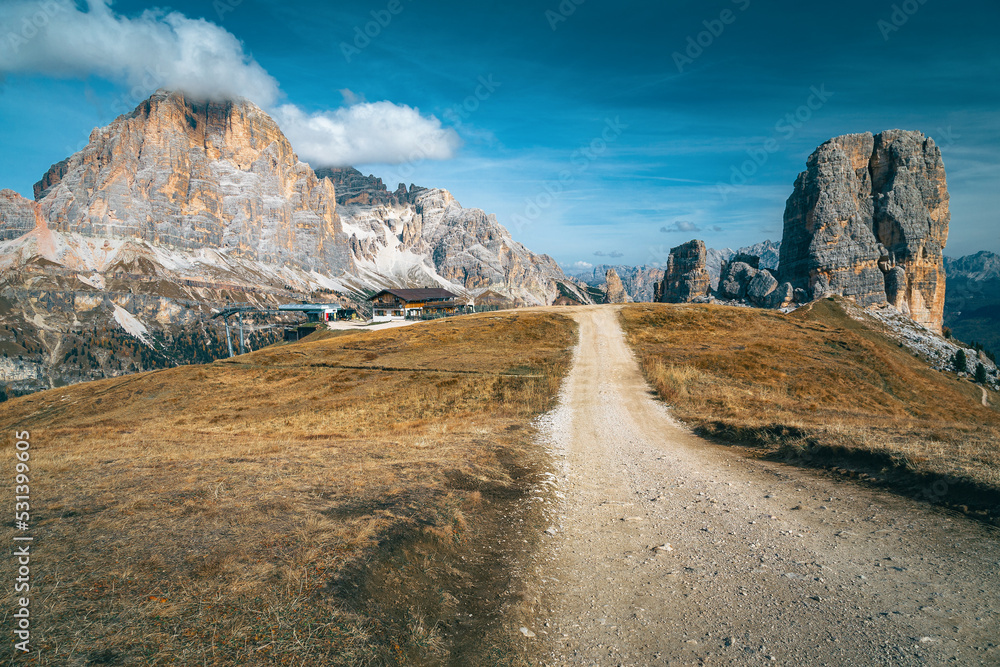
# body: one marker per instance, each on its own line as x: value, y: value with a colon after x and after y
x: 821, y: 385
x: 328, y: 500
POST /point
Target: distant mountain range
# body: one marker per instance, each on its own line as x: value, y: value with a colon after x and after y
x: 767, y: 251
x: 639, y: 281
x: 182, y: 206
x: 972, y: 294
x: 972, y: 299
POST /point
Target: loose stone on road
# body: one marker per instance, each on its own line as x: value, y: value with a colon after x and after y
x: 668, y: 549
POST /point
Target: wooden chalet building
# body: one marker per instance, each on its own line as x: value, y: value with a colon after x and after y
x: 398, y: 304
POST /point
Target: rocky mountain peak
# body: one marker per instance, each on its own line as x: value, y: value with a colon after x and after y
x: 686, y: 277
x: 189, y: 174
x: 615, y: 291
x: 868, y: 219
x: 353, y: 187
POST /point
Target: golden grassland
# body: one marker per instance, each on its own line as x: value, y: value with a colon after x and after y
x: 326, y: 502
x: 819, y: 387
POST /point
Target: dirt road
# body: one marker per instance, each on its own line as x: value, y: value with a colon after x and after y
x: 766, y: 564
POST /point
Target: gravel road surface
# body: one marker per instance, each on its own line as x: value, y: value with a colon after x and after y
x: 667, y: 549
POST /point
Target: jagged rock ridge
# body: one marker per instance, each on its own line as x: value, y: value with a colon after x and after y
x: 353, y: 187
x: 766, y: 252
x: 185, y: 176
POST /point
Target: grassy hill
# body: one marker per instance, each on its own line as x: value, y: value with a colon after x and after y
x: 822, y: 388
x: 325, y: 502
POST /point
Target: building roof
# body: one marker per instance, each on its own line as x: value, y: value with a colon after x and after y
x: 418, y: 294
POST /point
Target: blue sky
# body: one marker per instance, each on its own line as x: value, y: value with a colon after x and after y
x: 578, y: 125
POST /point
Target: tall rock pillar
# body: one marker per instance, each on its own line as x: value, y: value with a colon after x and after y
x: 867, y: 218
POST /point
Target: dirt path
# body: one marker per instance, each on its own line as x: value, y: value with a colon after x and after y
x: 767, y: 564
x: 985, y: 402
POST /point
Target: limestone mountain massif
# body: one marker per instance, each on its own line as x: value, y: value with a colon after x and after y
x: 187, y: 175
x: 183, y: 206
x: 686, y: 277
x: 615, y: 291
x: 868, y: 219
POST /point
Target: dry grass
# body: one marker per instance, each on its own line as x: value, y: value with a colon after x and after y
x: 820, y: 387
x: 300, y: 505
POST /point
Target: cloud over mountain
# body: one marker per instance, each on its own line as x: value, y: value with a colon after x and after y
x: 166, y: 49
x: 366, y: 132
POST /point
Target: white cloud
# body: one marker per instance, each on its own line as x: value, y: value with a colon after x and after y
x: 582, y: 265
x: 159, y: 49
x: 153, y: 50
x: 365, y: 133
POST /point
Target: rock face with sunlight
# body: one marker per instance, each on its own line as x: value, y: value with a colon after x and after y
x: 615, y: 291
x: 178, y: 174
x: 686, y: 276
x: 181, y: 207
x: 869, y: 220
x: 189, y: 175
x: 17, y: 215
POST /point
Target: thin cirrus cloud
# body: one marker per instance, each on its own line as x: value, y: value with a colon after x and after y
x: 160, y: 49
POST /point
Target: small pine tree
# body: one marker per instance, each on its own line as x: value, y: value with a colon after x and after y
x: 981, y: 374
x: 961, y: 362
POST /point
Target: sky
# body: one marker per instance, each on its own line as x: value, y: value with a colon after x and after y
x: 597, y: 132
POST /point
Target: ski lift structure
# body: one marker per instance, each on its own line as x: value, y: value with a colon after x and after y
x: 315, y: 312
